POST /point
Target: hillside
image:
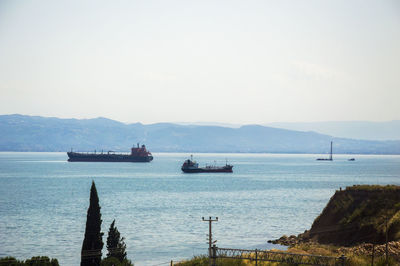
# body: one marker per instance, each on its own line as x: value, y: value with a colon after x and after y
x: 358, y: 215
x: 33, y: 133
x: 389, y: 130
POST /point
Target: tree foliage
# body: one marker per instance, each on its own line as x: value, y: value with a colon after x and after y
x: 34, y: 261
x: 93, y: 241
x: 115, y: 244
x: 112, y: 261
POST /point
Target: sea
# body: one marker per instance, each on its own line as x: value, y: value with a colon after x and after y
x: 158, y: 209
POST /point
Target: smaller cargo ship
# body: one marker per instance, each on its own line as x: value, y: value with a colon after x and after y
x: 190, y: 166
x: 138, y: 154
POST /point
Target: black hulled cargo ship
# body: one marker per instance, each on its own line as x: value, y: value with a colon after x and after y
x: 138, y: 154
x: 190, y: 166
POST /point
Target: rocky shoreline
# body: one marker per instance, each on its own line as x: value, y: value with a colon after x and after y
x: 290, y: 241
x: 365, y: 249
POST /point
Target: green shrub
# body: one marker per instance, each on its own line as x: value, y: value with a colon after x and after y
x: 34, y: 261
x: 41, y: 261
x: 10, y: 261
x: 112, y: 261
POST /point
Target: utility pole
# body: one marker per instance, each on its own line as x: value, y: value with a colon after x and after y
x: 210, y: 242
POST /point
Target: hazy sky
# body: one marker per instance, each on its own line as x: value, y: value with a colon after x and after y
x: 227, y: 61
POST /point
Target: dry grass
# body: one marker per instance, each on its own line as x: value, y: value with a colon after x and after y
x: 355, y: 256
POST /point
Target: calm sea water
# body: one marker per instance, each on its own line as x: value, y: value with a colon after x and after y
x: 158, y: 209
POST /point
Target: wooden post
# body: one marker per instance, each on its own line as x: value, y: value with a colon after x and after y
x: 210, y: 220
x: 256, y: 257
x: 214, y: 256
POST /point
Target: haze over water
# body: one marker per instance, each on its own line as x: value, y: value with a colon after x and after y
x: 158, y: 209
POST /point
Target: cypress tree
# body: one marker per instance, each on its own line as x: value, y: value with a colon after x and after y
x: 115, y: 244
x: 93, y: 242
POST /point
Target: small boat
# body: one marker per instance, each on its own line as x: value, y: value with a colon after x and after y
x: 190, y: 166
x: 327, y: 159
x: 351, y: 159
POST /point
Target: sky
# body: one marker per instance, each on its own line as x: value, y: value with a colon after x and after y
x: 239, y: 62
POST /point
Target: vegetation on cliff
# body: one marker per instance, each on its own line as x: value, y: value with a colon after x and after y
x: 359, y: 214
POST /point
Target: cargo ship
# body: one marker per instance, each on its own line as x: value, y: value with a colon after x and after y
x: 190, y: 166
x: 138, y: 154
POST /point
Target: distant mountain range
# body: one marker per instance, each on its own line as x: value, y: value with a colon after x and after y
x: 34, y: 133
x: 389, y: 130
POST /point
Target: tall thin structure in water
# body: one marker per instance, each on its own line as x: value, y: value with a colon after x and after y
x: 330, y: 155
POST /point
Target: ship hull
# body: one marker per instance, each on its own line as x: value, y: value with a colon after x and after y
x: 190, y: 166
x: 207, y: 170
x: 83, y: 157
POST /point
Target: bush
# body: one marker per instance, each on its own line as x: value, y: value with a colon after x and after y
x: 34, y: 261
x: 112, y: 261
x: 41, y: 261
x: 203, y: 261
x: 11, y: 261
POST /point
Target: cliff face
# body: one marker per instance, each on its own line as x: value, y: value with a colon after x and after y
x: 358, y: 214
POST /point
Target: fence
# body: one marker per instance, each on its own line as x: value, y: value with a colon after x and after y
x: 274, y: 256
